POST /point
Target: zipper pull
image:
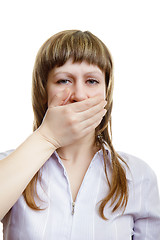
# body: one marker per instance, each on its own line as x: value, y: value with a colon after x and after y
x: 73, y: 207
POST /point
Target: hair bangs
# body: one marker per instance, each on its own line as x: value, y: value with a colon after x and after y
x: 80, y: 46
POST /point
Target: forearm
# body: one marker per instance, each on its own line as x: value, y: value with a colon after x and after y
x: 72, y: 122
x: 19, y: 167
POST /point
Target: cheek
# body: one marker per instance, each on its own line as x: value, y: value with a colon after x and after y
x: 100, y: 91
x: 52, y: 90
x: 51, y: 93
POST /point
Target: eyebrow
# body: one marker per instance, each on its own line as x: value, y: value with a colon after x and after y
x: 86, y: 74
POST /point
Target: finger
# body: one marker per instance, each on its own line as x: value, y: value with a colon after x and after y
x: 87, y: 103
x: 60, y: 98
x: 66, y: 100
x: 82, y: 116
x: 94, y: 121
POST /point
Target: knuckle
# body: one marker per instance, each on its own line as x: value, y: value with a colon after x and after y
x: 88, y: 103
x: 72, y: 120
x: 67, y: 111
x: 74, y: 130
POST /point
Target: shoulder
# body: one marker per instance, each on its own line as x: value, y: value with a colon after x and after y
x: 138, y: 168
x: 5, y: 154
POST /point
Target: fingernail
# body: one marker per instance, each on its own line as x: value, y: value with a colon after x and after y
x: 105, y: 103
x: 105, y: 112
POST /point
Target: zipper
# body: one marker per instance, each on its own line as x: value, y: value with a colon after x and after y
x: 73, y: 207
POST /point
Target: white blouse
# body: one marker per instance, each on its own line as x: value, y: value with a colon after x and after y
x: 63, y: 219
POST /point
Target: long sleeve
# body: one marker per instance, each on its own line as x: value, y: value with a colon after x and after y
x: 147, y: 222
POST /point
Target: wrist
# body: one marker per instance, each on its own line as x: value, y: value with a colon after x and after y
x: 43, y: 137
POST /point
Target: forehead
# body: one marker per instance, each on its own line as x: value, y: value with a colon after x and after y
x: 76, y: 67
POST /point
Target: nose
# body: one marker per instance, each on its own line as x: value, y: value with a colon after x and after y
x: 78, y: 93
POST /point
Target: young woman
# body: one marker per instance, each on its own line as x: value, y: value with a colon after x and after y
x: 66, y: 181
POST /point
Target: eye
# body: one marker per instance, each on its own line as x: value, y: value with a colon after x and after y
x: 63, y: 81
x: 92, y: 81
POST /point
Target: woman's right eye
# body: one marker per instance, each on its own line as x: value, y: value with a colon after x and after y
x: 63, y: 81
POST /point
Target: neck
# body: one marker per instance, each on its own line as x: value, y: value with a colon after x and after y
x: 84, y: 147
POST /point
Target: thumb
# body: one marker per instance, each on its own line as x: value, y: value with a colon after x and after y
x: 60, y: 98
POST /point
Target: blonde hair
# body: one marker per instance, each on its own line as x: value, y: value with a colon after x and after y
x: 55, y: 52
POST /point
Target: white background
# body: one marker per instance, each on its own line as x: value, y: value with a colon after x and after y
x: 130, y: 29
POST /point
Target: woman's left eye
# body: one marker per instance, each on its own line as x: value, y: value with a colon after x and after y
x: 92, y: 81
